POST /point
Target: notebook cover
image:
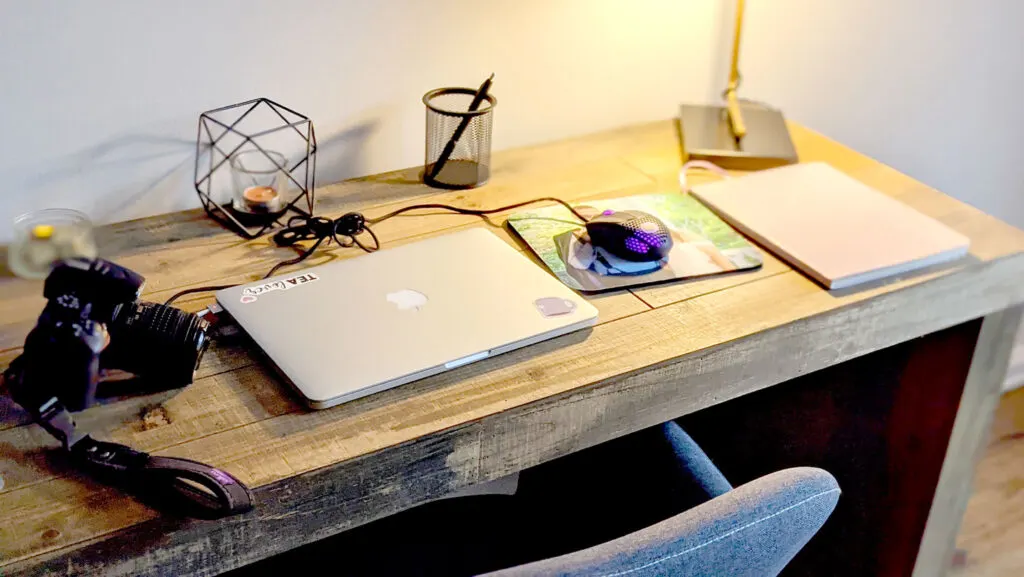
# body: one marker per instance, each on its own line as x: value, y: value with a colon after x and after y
x: 836, y: 229
x: 703, y: 244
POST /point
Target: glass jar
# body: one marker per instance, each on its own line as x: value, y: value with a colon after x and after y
x: 260, y: 181
x: 42, y: 237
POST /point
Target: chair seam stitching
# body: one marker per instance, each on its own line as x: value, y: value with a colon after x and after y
x: 723, y: 536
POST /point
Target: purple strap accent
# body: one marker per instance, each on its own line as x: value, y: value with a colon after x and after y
x: 222, y: 476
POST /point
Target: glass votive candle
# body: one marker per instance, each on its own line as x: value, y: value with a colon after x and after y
x: 260, y: 181
x: 43, y: 237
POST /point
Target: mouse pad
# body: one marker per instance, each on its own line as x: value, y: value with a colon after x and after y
x: 702, y: 243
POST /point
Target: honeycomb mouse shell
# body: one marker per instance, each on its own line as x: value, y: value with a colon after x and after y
x: 630, y: 235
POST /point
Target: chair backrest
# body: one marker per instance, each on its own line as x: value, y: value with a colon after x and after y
x: 752, y: 531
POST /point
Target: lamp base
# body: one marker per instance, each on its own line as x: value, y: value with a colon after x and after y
x: 705, y: 135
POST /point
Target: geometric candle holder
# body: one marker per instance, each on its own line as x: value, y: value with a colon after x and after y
x: 253, y: 127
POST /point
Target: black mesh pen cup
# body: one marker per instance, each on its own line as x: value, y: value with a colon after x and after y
x: 458, y: 152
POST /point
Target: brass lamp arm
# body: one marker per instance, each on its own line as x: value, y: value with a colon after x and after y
x: 732, y: 103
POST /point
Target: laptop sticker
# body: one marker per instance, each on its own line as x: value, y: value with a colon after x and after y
x: 250, y: 294
x: 554, y: 306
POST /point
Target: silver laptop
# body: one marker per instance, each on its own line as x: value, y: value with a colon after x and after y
x: 348, y: 329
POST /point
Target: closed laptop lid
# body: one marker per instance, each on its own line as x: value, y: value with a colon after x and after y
x: 346, y: 329
x: 838, y: 230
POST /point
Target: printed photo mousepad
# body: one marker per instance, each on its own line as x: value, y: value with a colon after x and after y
x: 702, y: 243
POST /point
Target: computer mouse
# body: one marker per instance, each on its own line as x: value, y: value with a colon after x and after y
x: 631, y: 235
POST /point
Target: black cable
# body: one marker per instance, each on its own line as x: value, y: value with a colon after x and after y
x: 346, y: 230
x: 476, y: 212
x: 305, y: 254
x: 200, y: 289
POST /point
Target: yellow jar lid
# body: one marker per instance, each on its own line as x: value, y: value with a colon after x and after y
x: 42, y: 231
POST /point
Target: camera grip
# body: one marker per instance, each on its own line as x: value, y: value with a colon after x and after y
x: 62, y: 360
x: 59, y: 370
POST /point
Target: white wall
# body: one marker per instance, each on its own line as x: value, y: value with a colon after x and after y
x: 934, y: 88
x: 100, y: 99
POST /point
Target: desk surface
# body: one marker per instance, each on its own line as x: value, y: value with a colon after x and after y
x: 656, y: 353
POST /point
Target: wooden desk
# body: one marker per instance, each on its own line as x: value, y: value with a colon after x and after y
x: 658, y: 353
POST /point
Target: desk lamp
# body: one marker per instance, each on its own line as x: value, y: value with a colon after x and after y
x: 740, y: 135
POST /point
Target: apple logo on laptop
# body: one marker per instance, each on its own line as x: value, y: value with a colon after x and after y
x: 407, y: 299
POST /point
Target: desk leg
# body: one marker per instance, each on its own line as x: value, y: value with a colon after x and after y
x: 900, y: 428
x: 967, y: 441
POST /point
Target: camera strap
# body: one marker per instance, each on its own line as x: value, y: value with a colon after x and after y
x: 167, y: 483
x: 182, y: 485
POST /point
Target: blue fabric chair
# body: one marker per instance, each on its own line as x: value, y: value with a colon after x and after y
x: 753, y: 530
x: 648, y: 503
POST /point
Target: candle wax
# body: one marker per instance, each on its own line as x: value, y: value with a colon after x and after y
x: 260, y: 199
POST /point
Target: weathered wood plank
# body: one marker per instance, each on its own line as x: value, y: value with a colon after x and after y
x: 212, y: 404
x: 223, y: 355
x: 204, y: 260
x: 1015, y: 374
x: 512, y: 439
x: 297, y: 511
x: 746, y: 318
x: 711, y: 329
x: 993, y: 525
x: 673, y: 292
x: 970, y: 432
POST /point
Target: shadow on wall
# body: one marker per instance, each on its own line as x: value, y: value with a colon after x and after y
x: 340, y: 156
x: 124, y: 167
x: 347, y: 151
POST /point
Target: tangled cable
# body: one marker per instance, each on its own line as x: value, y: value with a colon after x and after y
x: 350, y: 226
x: 347, y: 229
x: 344, y: 231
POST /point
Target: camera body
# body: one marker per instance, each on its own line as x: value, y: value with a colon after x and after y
x: 94, y: 320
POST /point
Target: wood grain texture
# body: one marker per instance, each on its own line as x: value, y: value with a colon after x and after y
x: 1015, y: 374
x: 970, y: 431
x: 286, y: 515
x: 673, y: 292
x: 209, y: 259
x: 703, y: 343
x: 734, y: 368
x: 993, y: 527
x: 215, y: 403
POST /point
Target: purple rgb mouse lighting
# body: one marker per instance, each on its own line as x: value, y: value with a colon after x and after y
x: 637, y: 245
x: 650, y: 239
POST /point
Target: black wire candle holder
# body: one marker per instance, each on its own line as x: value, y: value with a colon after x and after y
x: 223, y: 123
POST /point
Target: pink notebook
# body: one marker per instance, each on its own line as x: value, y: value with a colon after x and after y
x: 834, y: 228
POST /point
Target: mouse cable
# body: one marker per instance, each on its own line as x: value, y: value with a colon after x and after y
x: 684, y: 185
x: 347, y: 229
x: 478, y: 212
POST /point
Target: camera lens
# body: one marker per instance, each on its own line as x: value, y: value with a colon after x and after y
x: 156, y: 342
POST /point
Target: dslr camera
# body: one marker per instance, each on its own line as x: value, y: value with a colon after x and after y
x: 94, y: 320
